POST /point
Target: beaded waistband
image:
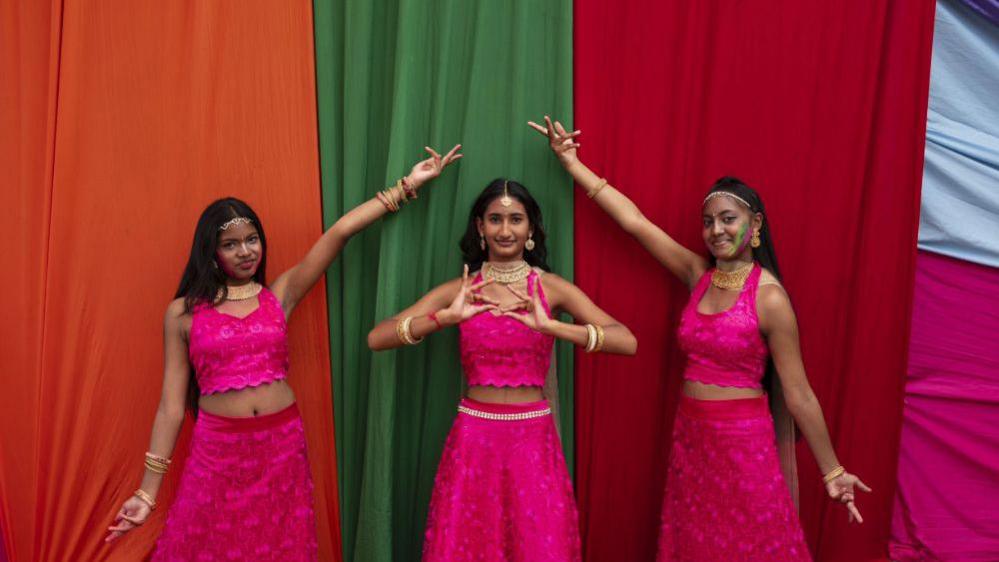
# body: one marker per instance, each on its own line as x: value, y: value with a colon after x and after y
x: 504, y: 417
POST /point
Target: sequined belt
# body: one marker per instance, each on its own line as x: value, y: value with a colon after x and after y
x: 504, y: 417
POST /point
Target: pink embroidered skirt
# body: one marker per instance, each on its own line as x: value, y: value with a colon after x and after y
x: 725, y: 493
x: 502, y: 491
x: 245, y: 493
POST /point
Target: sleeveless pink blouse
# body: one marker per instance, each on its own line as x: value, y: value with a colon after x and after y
x: 230, y: 353
x: 501, y: 351
x: 725, y: 349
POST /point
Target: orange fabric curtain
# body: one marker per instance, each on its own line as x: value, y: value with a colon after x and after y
x: 121, y: 121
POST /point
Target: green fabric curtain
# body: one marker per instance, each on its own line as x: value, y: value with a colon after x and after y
x: 393, y: 76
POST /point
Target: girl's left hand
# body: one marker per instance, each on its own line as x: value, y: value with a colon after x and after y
x: 537, y: 317
x: 841, y: 490
x: 432, y: 167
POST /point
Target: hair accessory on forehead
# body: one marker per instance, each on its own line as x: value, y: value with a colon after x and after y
x: 506, y: 200
x: 714, y: 194
x: 234, y: 222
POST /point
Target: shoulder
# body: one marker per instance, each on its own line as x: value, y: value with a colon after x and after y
x: 553, y: 283
x: 177, y: 316
x: 772, y: 303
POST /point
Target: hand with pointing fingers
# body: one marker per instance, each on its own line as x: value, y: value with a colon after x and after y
x: 428, y: 169
x: 562, y: 142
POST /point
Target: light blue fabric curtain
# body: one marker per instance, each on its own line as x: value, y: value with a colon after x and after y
x: 960, y: 199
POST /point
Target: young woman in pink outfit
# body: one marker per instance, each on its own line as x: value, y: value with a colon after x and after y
x: 502, y: 491
x: 246, y: 492
x: 726, y: 496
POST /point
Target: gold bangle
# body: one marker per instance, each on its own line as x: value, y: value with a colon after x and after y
x: 146, y: 498
x: 591, y: 337
x: 834, y: 474
x: 384, y: 201
x: 154, y: 457
x: 600, y: 185
x: 600, y: 339
x: 158, y: 469
x: 409, y: 334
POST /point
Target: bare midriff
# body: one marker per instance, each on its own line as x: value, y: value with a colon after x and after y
x: 249, y: 402
x: 702, y: 391
x: 505, y: 394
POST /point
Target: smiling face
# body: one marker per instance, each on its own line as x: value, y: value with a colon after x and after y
x: 239, y: 251
x: 728, y: 227
x: 505, y: 229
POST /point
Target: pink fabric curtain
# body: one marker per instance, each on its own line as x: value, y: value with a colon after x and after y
x: 948, y: 474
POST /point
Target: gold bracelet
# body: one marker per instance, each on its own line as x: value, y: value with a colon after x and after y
x: 591, y: 337
x: 146, y: 498
x: 600, y: 185
x: 600, y: 339
x: 384, y: 201
x: 834, y: 474
x: 153, y: 467
x: 152, y: 456
x: 409, y: 333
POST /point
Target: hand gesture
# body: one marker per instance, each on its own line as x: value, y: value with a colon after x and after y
x: 841, y: 490
x: 432, y: 167
x: 529, y: 309
x: 133, y: 513
x: 562, y: 143
x: 468, y: 302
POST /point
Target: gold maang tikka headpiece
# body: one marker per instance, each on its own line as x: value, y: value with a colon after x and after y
x: 506, y: 200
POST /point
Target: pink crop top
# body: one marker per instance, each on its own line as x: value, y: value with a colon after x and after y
x: 501, y: 351
x: 230, y: 353
x: 725, y: 349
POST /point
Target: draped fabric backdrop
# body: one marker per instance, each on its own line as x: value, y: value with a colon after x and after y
x: 821, y: 106
x: 122, y: 122
x: 950, y: 428
x: 393, y: 77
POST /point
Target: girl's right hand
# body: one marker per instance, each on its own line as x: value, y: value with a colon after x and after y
x: 467, y: 303
x: 133, y: 513
x: 562, y: 142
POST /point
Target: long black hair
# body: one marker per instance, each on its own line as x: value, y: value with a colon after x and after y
x: 764, y: 254
x: 203, y: 279
x: 471, y: 250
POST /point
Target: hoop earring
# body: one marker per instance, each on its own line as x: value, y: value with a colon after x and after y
x: 529, y: 245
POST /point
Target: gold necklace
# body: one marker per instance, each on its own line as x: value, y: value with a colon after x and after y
x: 241, y: 292
x: 731, y: 280
x: 506, y: 275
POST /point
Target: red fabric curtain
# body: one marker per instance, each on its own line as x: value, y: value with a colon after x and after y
x: 820, y: 106
x: 121, y: 121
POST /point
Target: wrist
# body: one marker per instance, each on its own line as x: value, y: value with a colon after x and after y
x: 409, y: 182
x: 446, y: 318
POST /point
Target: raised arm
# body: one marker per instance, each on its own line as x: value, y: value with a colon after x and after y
x: 166, y: 424
x: 291, y: 286
x: 685, y: 264
x: 780, y: 327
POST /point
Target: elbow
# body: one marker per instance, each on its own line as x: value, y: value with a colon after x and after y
x: 631, y: 346
x: 373, y: 343
x: 171, y: 414
x: 633, y: 222
x: 799, y: 401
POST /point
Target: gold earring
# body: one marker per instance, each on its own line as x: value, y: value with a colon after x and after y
x: 755, y: 242
x: 482, y: 242
x: 529, y: 245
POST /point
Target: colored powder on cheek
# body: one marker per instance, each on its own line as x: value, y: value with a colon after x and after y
x: 740, y: 240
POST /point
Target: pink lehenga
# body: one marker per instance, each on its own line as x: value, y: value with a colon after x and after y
x: 246, y: 490
x: 726, y: 496
x: 502, y: 491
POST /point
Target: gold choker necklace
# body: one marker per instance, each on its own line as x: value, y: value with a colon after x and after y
x: 506, y: 274
x: 241, y: 292
x: 731, y: 280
